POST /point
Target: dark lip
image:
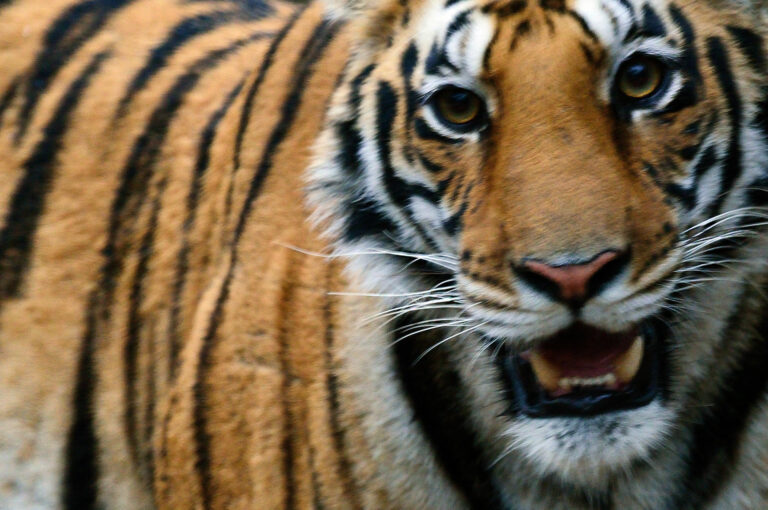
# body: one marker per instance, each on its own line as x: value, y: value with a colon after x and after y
x: 530, y: 399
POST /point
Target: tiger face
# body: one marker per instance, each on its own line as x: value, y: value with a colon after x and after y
x: 539, y: 182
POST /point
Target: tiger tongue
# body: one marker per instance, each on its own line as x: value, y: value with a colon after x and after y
x: 588, y: 355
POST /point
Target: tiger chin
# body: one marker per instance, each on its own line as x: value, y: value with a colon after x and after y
x: 482, y: 254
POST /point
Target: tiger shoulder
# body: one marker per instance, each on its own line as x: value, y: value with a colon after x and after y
x: 383, y: 254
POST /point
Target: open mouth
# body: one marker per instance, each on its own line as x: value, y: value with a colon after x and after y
x: 583, y: 371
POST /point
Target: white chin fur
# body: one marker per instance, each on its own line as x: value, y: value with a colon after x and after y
x: 586, y: 451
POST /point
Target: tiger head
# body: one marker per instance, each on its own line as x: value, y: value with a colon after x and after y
x: 547, y: 181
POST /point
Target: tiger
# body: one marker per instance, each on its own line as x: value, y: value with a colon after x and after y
x: 383, y: 254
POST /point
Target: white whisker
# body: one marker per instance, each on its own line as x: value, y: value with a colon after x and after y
x: 441, y: 342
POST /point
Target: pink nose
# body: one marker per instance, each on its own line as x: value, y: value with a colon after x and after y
x: 572, y: 280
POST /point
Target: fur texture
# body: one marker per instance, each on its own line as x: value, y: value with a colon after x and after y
x: 245, y: 264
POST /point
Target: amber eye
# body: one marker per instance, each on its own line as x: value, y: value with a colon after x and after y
x: 640, y: 77
x: 458, y: 106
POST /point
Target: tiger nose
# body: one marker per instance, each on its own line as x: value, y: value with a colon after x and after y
x: 572, y: 283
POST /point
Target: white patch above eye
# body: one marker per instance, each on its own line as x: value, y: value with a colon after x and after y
x: 600, y: 15
x: 465, y: 48
x: 478, y: 37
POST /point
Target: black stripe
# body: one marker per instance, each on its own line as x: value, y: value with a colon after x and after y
x: 140, y: 166
x: 81, y: 468
x: 761, y: 117
x: 399, y: 191
x: 757, y: 194
x: 425, y: 132
x: 71, y: 30
x: 652, y: 24
x: 437, y: 60
x: 317, y: 495
x: 201, y: 437
x: 717, y: 434
x: 9, y: 95
x: 511, y: 8
x: 686, y: 196
x: 131, y: 347
x: 288, y: 448
x: 193, y: 195
x: 523, y: 28
x: 459, y: 22
x: 689, y: 60
x: 751, y: 44
x: 628, y: 6
x: 435, y: 392
x: 247, y: 109
x: 456, y: 220
x: 732, y: 166
x: 29, y: 197
x: 347, y: 132
x: 338, y: 434
x: 428, y: 164
x: 364, y: 218
x: 144, y: 459
x: 200, y: 423
x: 408, y: 62
x: 588, y: 54
x: 553, y: 5
x: 706, y: 161
x: 583, y: 24
x: 311, y: 53
x: 321, y: 37
x: 686, y: 97
x: 693, y: 128
x: 180, y: 35
x: 407, y: 66
x: 689, y: 152
x: 149, y: 408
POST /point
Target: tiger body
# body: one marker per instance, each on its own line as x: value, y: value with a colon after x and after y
x: 203, y: 293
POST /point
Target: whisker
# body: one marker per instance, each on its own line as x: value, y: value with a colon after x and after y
x: 418, y: 324
x: 440, y: 259
x: 430, y: 328
x: 441, y: 342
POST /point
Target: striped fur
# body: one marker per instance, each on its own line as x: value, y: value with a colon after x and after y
x: 244, y: 265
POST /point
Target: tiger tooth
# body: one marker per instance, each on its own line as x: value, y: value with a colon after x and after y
x: 628, y: 364
x: 567, y: 383
x: 547, y: 374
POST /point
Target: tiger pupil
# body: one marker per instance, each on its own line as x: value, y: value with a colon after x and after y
x: 638, y: 75
x: 459, y: 106
x: 640, y: 78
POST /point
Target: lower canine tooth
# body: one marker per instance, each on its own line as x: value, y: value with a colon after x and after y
x: 547, y: 374
x: 628, y: 364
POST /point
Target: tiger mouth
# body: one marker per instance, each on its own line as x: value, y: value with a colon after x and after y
x: 584, y: 371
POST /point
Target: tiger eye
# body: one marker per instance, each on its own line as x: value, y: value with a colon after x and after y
x: 458, y: 106
x: 640, y: 77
